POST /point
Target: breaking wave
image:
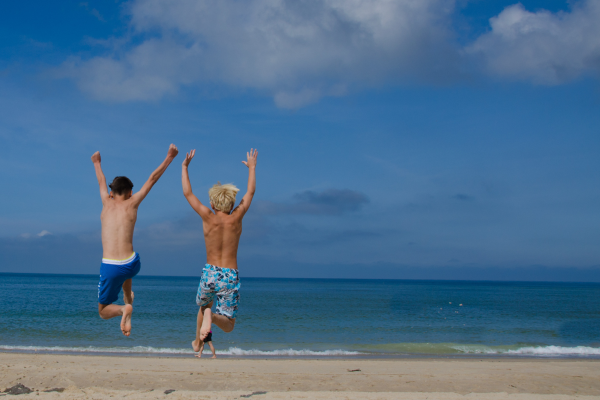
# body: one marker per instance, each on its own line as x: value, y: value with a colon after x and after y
x: 391, y: 349
x: 551, y: 351
x: 232, y: 351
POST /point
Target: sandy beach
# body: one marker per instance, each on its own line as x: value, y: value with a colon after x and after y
x: 103, y: 377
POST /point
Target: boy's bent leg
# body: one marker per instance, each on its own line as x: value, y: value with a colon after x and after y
x: 199, y: 320
x: 108, y: 311
x: 206, y: 323
x: 225, y: 323
x: 228, y: 299
x: 204, y: 298
x: 227, y: 306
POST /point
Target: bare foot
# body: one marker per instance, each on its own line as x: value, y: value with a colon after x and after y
x: 199, y: 355
x: 206, y: 324
x: 214, y: 357
x: 126, y: 320
x: 196, y: 345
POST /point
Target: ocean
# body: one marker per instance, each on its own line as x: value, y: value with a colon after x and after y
x: 310, y: 318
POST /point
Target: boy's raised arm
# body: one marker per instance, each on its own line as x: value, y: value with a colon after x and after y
x: 251, y: 164
x: 100, y: 175
x: 196, y: 204
x: 139, y: 196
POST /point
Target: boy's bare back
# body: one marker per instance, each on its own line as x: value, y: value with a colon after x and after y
x: 118, y: 222
x: 222, y: 229
x: 222, y: 236
x: 119, y: 212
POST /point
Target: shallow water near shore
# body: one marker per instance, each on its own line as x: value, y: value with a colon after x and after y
x: 310, y: 318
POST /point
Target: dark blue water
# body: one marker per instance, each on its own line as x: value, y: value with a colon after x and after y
x: 311, y: 317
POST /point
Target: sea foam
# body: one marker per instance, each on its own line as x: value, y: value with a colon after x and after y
x: 232, y: 351
x: 547, y: 351
x: 557, y: 351
x: 432, y: 349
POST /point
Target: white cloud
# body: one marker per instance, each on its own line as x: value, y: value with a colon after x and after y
x: 294, y: 50
x: 299, y: 50
x: 544, y: 47
x: 41, y: 234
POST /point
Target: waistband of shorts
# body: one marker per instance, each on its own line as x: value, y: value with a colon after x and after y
x: 120, y: 262
x: 214, y: 267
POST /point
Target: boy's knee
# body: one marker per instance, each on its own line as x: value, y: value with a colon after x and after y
x: 101, y: 308
x: 230, y: 327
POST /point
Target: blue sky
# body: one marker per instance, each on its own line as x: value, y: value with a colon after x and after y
x: 397, y: 139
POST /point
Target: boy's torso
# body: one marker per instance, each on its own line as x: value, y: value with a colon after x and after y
x: 222, y: 236
x: 118, y: 222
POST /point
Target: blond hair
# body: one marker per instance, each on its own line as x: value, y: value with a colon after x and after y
x: 222, y: 197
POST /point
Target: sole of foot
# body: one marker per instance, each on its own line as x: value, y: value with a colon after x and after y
x: 206, y: 324
x: 126, y: 320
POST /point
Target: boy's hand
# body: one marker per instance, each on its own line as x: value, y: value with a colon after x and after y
x: 96, y: 157
x: 188, y: 158
x: 251, y: 163
x: 172, y: 151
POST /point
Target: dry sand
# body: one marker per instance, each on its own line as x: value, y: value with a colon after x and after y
x: 104, y: 377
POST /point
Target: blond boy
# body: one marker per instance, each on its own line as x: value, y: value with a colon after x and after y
x: 222, y: 230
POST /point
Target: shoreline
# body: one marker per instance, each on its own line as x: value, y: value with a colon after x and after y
x: 399, y: 357
x: 85, y: 376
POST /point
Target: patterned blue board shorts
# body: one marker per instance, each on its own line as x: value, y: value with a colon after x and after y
x: 224, y: 283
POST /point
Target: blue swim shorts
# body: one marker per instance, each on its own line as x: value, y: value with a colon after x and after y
x: 113, y: 273
x: 224, y: 283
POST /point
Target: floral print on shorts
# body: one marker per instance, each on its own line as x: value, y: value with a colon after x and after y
x: 224, y: 283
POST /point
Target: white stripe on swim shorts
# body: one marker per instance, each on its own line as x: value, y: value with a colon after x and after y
x: 118, y: 262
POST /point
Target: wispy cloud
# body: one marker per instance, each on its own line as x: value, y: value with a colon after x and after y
x: 326, y: 202
x: 463, y: 197
x: 92, y: 11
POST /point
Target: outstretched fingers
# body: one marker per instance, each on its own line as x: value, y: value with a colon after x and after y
x: 251, y: 157
x: 188, y: 157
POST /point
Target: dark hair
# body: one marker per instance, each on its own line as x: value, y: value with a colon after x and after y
x: 121, y: 185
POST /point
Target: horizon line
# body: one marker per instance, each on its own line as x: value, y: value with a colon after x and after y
x: 322, y: 279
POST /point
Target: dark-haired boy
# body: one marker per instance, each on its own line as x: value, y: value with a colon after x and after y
x: 119, y: 262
